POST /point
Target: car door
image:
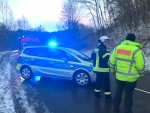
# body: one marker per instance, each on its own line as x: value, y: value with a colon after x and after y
x: 39, y: 61
x: 58, y: 63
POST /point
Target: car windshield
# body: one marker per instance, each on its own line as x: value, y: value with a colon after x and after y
x: 79, y: 55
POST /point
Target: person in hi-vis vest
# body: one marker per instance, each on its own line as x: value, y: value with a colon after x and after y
x: 128, y: 63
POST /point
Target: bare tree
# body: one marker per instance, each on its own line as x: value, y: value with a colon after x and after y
x: 40, y: 28
x: 23, y: 23
x: 71, y: 14
x: 11, y: 25
x: 19, y: 24
x: 99, y: 12
x: 131, y: 13
x: 5, y: 12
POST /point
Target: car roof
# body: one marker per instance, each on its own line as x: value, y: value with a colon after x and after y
x: 63, y: 48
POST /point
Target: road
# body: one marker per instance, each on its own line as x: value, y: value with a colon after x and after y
x: 47, y: 95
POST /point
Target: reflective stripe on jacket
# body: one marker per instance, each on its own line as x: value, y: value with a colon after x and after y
x: 100, y: 59
x: 128, y: 61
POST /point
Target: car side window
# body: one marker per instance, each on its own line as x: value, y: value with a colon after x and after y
x: 60, y: 54
x: 57, y: 53
x: 28, y: 51
x: 40, y: 52
x: 71, y: 58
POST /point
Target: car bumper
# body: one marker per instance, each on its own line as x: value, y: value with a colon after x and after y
x: 93, y: 76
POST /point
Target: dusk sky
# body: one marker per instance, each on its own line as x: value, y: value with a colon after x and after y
x: 44, y: 12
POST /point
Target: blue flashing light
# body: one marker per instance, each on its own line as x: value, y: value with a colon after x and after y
x: 52, y: 44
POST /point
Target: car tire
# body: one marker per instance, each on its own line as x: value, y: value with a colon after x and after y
x: 26, y: 73
x: 82, y: 78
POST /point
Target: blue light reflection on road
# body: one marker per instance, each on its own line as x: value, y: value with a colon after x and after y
x: 36, y: 78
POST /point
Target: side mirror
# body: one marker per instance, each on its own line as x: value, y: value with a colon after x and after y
x: 65, y: 59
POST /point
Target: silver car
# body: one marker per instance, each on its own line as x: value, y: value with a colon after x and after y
x: 58, y: 62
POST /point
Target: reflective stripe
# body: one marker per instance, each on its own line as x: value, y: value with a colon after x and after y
x: 106, y: 54
x: 97, y: 90
x: 131, y: 65
x: 107, y: 93
x: 96, y: 50
x: 112, y: 64
x: 122, y: 59
x: 141, y: 71
x: 112, y: 67
x: 56, y: 69
x: 97, y: 57
x: 97, y: 60
x: 136, y: 51
x: 101, y: 69
x: 128, y: 74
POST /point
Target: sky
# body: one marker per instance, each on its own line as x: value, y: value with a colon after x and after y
x: 38, y: 12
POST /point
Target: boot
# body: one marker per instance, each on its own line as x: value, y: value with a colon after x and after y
x: 108, y: 98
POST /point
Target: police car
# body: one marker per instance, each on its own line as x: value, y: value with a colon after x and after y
x: 58, y: 62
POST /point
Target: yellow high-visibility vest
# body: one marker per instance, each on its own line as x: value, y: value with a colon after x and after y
x: 128, y: 61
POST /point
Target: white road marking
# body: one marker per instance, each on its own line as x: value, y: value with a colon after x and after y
x: 142, y: 90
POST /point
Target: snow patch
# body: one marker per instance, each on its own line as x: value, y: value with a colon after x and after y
x: 147, y: 64
x: 3, y: 53
x: 24, y: 101
x: 6, y: 100
x: 14, y: 51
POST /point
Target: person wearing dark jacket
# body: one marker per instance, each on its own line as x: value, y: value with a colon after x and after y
x: 100, y: 57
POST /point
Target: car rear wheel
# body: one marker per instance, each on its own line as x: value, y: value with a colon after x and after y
x: 82, y: 78
x: 26, y: 72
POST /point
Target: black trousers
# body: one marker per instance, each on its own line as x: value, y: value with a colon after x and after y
x: 102, y: 80
x: 129, y: 88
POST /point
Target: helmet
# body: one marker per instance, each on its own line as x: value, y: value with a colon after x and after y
x: 103, y: 39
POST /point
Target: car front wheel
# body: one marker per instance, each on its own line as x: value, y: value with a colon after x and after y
x: 82, y: 78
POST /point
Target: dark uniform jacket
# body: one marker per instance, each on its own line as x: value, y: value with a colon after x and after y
x: 103, y: 58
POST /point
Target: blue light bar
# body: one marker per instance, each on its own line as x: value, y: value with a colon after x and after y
x: 52, y: 44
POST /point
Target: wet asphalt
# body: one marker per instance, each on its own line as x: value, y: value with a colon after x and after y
x: 49, y: 95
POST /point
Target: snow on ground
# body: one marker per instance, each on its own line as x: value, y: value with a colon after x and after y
x: 6, y: 100
x: 7, y: 104
x: 147, y: 59
x: 147, y: 65
x: 24, y: 102
x: 3, y: 53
